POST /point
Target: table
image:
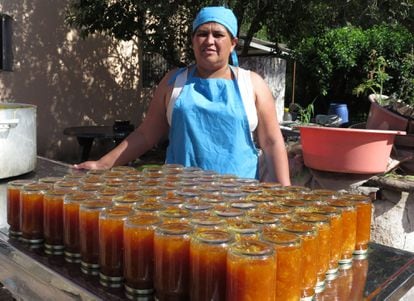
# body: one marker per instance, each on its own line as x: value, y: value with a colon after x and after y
x: 87, y: 134
x: 387, y: 274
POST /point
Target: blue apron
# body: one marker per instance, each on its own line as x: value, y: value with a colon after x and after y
x: 210, y: 130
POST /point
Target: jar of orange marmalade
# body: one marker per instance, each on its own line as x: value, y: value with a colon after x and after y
x: 172, y: 261
x: 208, y: 255
x: 243, y: 229
x: 324, y: 244
x: 89, y: 234
x: 251, y: 271
x: 335, y: 220
x: 71, y: 229
x: 288, y: 247
x: 349, y: 220
x: 363, y: 231
x: 13, y: 205
x: 53, y: 220
x: 139, y: 254
x: 309, y: 236
x: 111, y: 245
x: 31, y: 213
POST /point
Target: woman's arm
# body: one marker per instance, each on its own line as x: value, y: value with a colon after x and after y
x: 153, y: 128
x: 268, y: 131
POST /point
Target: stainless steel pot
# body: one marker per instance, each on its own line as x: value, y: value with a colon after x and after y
x: 18, y: 147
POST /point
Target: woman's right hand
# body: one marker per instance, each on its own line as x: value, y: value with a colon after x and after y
x: 90, y: 165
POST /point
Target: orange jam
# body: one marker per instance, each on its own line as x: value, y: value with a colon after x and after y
x: 139, y: 253
x: 89, y: 232
x: 111, y: 229
x: 127, y: 199
x: 349, y: 220
x: 288, y: 248
x: 149, y: 207
x: 228, y: 213
x: 296, y: 204
x: 172, y: 261
x: 174, y: 214
x: 324, y: 241
x: 309, y: 235
x: 208, y: 255
x: 335, y: 219
x: 53, y: 218
x: 13, y: 205
x: 204, y: 221
x: 67, y: 184
x: 263, y: 220
x: 31, y: 212
x: 71, y: 229
x: 364, y: 215
x: 251, y: 272
x: 242, y: 229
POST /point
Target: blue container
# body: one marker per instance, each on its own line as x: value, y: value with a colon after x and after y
x: 340, y: 109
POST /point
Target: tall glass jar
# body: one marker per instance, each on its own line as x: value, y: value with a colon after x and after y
x: 251, y: 271
x: 363, y: 230
x: 309, y: 236
x: 335, y: 218
x: 31, y: 213
x: 89, y: 234
x: 71, y: 230
x: 139, y: 254
x: 53, y: 220
x: 172, y: 261
x: 111, y: 244
x: 208, y: 255
x: 13, y: 205
x: 324, y: 244
x: 349, y: 220
x: 288, y: 247
x: 242, y: 230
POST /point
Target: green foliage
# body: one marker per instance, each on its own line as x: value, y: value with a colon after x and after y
x: 339, y: 59
x: 304, y: 114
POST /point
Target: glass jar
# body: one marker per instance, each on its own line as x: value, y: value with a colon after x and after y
x: 13, y: 205
x: 53, y: 220
x: 111, y: 242
x: 206, y: 222
x: 174, y: 214
x: 71, y: 229
x: 288, y: 247
x: 324, y: 244
x: 363, y: 230
x: 139, y: 254
x: 263, y: 220
x: 148, y: 207
x: 228, y: 213
x: 309, y: 236
x: 243, y: 229
x: 208, y: 255
x: 89, y: 234
x: 172, y: 261
x: 31, y: 213
x: 335, y: 220
x: 251, y: 271
x: 349, y: 221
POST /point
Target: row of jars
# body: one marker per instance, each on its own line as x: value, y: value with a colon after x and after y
x: 144, y: 235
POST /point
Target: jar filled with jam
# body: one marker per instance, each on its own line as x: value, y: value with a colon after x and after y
x: 53, y: 220
x: 111, y: 242
x: 243, y: 229
x: 208, y: 256
x: 71, y: 239
x: 174, y: 214
x: 349, y: 221
x: 263, y: 220
x: 324, y: 244
x: 363, y: 230
x: 172, y: 261
x: 206, y: 221
x: 31, y: 213
x: 288, y: 247
x: 13, y: 205
x: 139, y: 254
x: 335, y: 219
x: 89, y: 211
x: 251, y: 271
x: 309, y: 236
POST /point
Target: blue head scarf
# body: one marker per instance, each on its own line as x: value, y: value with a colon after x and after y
x: 221, y: 15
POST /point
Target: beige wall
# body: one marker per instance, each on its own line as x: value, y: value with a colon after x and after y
x: 72, y: 81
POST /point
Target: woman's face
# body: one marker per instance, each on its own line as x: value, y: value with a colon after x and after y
x: 212, y: 45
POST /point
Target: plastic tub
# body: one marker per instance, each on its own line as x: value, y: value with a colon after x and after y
x: 347, y: 150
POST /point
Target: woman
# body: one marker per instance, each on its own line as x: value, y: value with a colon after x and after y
x: 209, y: 111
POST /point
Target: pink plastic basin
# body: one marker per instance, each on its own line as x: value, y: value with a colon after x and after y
x: 347, y: 150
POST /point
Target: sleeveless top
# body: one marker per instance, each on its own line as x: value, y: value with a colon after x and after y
x: 209, y: 127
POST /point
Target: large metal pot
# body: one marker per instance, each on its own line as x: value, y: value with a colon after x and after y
x: 18, y: 148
